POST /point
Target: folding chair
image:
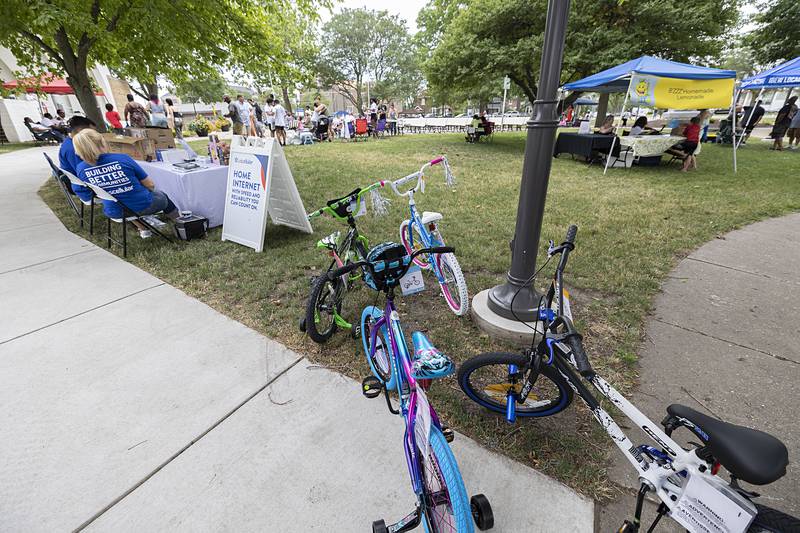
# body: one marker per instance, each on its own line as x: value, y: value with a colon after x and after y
x: 66, y: 189
x: 128, y: 215
x: 381, y: 128
x: 362, y: 129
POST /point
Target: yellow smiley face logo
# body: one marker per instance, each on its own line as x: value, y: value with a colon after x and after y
x: 641, y: 88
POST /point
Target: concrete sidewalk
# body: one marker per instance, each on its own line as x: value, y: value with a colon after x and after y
x: 129, y: 406
x: 725, y: 339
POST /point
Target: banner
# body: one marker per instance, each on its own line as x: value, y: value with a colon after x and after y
x: 260, y: 183
x: 675, y: 93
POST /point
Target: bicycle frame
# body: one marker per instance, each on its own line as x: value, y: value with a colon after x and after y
x: 407, y: 389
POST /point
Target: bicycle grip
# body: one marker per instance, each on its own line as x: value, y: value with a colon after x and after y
x: 572, y: 231
x: 576, y: 344
x: 333, y: 274
x: 437, y: 160
x: 436, y: 250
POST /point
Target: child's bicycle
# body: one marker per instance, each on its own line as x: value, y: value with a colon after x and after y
x: 419, y: 232
x: 442, y: 502
x: 322, y: 316
x: 541, y: 381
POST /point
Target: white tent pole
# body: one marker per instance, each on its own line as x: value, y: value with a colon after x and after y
x: 752, y: 110
x: 622, y: 112
x: 733, y: 120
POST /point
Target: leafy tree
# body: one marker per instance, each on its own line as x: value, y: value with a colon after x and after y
x: 490, y: 39
x: 361, y: 44
x: 207, y: 89
x: 777, y: 34
x: 141, y: 38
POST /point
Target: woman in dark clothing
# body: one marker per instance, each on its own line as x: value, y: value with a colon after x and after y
x: 782, y: 122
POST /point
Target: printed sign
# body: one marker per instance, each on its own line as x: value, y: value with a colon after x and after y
x: 674, y: 93
x: 412, y: 282
x: 704, y: 507
x: 259, y: 182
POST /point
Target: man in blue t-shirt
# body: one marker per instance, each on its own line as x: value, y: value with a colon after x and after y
x: 67, y: 158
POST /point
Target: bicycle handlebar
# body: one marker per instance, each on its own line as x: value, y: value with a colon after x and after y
x: 420, y: 175
x: 575, y: 342
x: 330, y: 209
x: 354, y: 266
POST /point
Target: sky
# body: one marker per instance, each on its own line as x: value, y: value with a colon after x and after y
x: 407, y: 9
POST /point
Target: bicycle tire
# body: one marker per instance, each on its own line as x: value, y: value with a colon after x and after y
x: 440, y: 474
x: 770, y: 520
x: 312, y: 330
x: 406, y: 238
x: 459, y: 306
x: 495, y: 399
x: 381, y: 367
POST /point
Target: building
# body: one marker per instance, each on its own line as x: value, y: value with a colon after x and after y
x: 16, y: 107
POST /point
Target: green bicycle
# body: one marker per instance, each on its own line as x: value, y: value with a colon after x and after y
x: 323, y: 310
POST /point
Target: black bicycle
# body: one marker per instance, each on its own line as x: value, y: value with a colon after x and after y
x: 542, y: 380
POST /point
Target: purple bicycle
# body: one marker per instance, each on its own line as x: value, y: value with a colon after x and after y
x: 442, y: 503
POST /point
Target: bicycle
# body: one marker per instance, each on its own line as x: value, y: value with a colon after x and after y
x: 322, y: 317
x: 442, y: 504
x: 541, y: 381
x: 445, y: 267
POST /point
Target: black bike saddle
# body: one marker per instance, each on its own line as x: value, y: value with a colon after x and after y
x: 748, y: 454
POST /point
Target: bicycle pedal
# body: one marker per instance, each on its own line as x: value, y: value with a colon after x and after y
x: 371, y: 387
x: 449, y: 434
x: 355, y: 331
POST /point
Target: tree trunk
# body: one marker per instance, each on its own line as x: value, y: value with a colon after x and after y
x: 82, y: 87
x: 286, y: 100
x: 149, y: 87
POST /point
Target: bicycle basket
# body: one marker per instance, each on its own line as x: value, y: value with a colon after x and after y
x: 344, y: 210
x: 388, y: 259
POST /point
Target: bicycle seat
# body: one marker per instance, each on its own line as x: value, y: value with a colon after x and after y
x: 430, y: 216
x: 748, y: 454
x: 429, y: 363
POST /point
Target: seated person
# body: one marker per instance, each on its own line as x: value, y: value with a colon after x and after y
x: 640, y: 127
x: 607, y: 127
x: 44, y: 132
x: 67, y: 158
x: 60, y: 122
x: 49, y: 122
x: 477, y: 129
x: 122, y: 177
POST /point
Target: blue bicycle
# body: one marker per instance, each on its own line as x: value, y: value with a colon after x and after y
x: 442, y: 502
x: 422, y: 231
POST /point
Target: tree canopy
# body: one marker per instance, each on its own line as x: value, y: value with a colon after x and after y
x: 489, y: 39
x: 141, y: 39
x: 776, y: 37
x: 359, y: 45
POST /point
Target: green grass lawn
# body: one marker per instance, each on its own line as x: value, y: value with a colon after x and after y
x: 635, y: 225
x: 10, y: 147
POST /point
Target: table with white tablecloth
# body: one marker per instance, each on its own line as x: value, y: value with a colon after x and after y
x: 200, y: 191
x: 649, y: 145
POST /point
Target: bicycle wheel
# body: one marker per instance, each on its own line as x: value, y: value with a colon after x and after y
x: 486, y: 380
x: 447, y: 507
x: 406, y: 238
x: 324, y: 304
x: 381, y: 360
x: 769, y: 520
x: 454, y: 287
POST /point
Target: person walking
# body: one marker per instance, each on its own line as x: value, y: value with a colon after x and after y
x: 174, y: 118
x: 112, y: 117
x: 233, y: 115
x: 794, y: 132
x: 392, y: 119
x: 245, y: 114
x: 280, y: 121
x: 782, y: 122
x: 158, y: 115
x: 135, y: 113
x: 270, y: 115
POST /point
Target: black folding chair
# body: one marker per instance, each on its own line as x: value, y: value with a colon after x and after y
x: 128, y: 215
x: 66, y: 188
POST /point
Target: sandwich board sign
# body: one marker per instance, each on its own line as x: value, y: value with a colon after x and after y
x: 260, y: 184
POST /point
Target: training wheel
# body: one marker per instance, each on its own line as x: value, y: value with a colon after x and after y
x: 302, y: 324
x: 379, y: 526
x: 482, y: 512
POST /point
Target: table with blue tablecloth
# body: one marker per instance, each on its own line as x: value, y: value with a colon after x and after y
x: 201, y: 191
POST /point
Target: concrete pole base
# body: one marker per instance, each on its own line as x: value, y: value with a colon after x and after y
x: 510, y: 331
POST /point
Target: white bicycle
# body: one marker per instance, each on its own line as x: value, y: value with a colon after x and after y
x: 418, y: 232
x: 542, y: 380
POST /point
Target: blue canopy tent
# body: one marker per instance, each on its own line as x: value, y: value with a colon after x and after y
x: 785, y: 75
x: 618, y: 79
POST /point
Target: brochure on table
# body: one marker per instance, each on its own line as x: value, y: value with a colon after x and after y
x: 260, y: 183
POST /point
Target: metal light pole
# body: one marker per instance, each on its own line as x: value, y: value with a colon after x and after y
x: 535, y: 175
